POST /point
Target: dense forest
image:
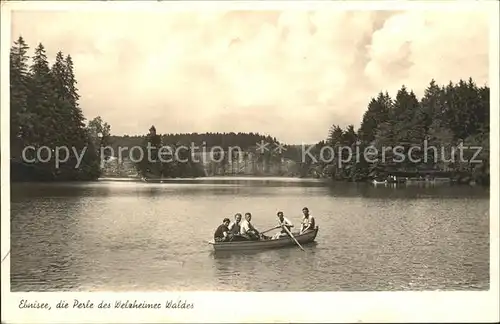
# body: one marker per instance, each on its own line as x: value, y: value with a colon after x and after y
x: 219, y: 164
x: 446, y: 117
x: 225, y: 140
x: 45, y: 112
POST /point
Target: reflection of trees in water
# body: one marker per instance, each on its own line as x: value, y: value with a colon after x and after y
x: 277, y: 187
x: 22, y: 192
x: 403, y: 191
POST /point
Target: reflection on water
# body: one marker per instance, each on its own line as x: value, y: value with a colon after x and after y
x: 145, y: 236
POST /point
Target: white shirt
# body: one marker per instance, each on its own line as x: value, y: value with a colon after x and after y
x: 245, y: 226
x: 286, y: 221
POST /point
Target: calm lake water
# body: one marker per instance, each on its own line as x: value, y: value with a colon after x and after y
x: 126, y: 236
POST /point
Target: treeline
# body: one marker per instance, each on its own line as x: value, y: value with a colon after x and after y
x: 163, y: 164
x: 189, y: 163
x: 446, y: 117
x: 44, y: 112
x: 245, y: 141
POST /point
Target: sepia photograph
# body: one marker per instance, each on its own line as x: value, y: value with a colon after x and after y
x: 248, y: 149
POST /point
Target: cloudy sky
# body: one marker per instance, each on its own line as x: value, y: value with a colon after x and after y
x: 288, y: 74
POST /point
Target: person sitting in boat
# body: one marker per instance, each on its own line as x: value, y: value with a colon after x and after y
x: 222, y: 232
x: 247, y: 230
x: 283, y: 222
x: 308, y: 222
x: 235, y: 228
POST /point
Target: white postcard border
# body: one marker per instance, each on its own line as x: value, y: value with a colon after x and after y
x: 260, y: 307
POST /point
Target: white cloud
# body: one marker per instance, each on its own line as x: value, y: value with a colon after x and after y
x: 289, y: 74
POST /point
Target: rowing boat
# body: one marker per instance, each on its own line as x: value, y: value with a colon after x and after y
x: 305, y: 238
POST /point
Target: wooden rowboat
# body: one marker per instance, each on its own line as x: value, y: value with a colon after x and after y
x: 285, y: 241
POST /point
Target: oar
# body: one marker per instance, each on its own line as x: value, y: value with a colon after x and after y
x: 291, y: 235
x: 275, y: 227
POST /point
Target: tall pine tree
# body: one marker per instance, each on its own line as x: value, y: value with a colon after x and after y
x: 21, y: 121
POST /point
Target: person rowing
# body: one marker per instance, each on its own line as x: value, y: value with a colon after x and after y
x: 222, y: 232
x: 247, y: 229
x: 283, y: 222
x: 308, y: 222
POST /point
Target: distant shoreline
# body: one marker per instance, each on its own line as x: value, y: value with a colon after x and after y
x: 410, y: 182
x: 227, y: 177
